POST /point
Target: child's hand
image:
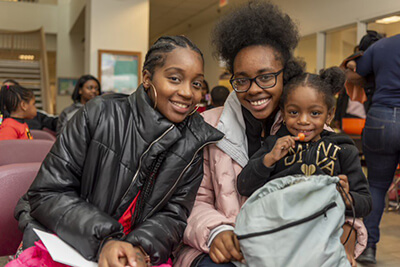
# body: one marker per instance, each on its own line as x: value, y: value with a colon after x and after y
x: 280, y: 149
x: 344, y: 182
x: 225, y: 247
x: 121, y: 254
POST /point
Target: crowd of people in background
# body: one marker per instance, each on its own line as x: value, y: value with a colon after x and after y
x: 158, y: 177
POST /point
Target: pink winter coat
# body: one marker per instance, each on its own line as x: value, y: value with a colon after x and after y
x: 218, y: 201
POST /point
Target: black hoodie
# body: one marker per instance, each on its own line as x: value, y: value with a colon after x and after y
x: 333, y: 154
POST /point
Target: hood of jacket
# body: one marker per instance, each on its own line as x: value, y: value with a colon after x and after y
x: 232, y: 124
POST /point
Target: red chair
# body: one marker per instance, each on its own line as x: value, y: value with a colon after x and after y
x: 15, y: 180
x: 23, y: 151
x: 42, y: 135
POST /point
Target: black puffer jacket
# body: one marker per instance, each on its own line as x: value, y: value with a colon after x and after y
x: 99, y: 163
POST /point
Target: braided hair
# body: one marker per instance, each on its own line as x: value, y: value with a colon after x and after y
x: 150, y: 179
x: 11, y: 96
x: 156, y: 55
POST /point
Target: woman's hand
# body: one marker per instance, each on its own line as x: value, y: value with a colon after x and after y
x: 120, y: 254
x: 280, y: 149
x: 344, y: 182
x: 225, y: 247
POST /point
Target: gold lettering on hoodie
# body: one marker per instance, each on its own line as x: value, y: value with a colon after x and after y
x: 325, y: 158
x: 293, y: 155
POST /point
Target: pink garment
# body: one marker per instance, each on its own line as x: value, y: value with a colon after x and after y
x: 38, y: 256
x: 217, y: 201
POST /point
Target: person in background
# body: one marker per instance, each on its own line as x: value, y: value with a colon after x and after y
x: 87, y: 88
x: 120, y: 181
x: 381, y: 142
x: 219, y: 94
x: 19, y: 103
x: 346, y: 108
x: 42, y: 119
x: 205, y: 98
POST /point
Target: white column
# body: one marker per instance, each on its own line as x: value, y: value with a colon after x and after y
x: 361, y: 30
x: 321, y: 44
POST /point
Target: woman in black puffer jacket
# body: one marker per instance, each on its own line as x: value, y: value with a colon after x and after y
x: 122, y: 177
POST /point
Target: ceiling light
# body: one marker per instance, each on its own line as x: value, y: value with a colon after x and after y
x: 388, y: 20
x: 26, y: 57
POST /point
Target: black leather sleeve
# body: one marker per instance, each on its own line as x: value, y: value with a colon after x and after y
x: 54, y: 196
x: 161, y: 233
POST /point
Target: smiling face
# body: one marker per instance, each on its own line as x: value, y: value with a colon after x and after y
x: 251, y: 62
x: 178, y: 83
x: 305, y: 111
x: 89, y: 90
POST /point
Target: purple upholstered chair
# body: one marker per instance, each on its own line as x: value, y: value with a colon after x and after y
x: 42, y: 135
x: 15, y: 180
x: 23, y: 151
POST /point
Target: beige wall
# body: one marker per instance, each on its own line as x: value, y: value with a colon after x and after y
x: 388, y: 29
x: 339, y: 45
x: 307, y: 50
x: 13, y: 16
x: 115, y: 25
x: 312, y: 16
x: 201, y: 38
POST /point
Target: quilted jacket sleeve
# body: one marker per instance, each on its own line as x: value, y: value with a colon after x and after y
x: 54, y: 196
x: 205, y: 215
x: 161, y: 233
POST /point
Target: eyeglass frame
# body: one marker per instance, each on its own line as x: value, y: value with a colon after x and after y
x: 275, y: 74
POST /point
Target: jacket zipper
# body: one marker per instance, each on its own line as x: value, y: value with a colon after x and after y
x: 180, y: 176
x: 141, y: 157
x: 292, y: 224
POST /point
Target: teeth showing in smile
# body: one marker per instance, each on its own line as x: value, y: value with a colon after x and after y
x: 180, y: 104
x: 259, y: 102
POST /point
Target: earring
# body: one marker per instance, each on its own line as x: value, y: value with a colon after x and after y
x: 194, y: 110
x: 284, y: 122
x: 155, y: 95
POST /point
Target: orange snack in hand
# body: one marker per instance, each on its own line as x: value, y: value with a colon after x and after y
x: 301, y: 136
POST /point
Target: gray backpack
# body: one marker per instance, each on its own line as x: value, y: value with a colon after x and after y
x: 294, y: 221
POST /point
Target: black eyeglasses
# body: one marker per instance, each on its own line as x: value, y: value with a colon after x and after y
x: 264, y: 81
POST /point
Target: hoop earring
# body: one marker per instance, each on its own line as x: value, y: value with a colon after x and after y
x: 155, y: 95
x: 194, y: 110
x: 284, y: 122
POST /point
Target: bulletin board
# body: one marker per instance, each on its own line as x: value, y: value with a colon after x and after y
x: 119, y: 71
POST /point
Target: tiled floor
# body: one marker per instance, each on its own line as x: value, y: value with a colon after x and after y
x: 388, y: 253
